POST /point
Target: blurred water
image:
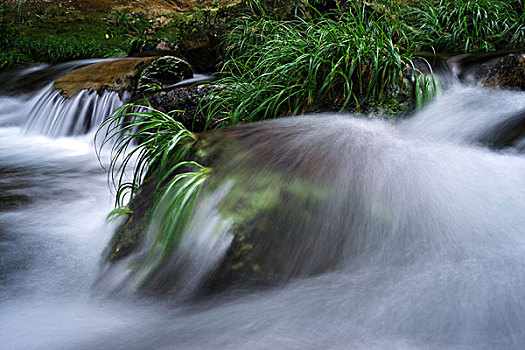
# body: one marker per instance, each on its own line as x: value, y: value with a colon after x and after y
x: 419, y: 245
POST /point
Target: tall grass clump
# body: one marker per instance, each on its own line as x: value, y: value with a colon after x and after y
x: 466, y: 25
x: 153, y: 146
x: 149, y: 143
x: 339, y: 61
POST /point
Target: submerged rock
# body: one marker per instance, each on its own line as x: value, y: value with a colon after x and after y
x: 270, y: 240
x: 130, y: 233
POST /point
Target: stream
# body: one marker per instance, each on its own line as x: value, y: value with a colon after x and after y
x: 432, y: 220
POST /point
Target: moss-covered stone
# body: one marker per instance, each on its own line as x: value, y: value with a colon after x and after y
x: 507, y: 72
x: 130, y: 234
x: 163, y: 71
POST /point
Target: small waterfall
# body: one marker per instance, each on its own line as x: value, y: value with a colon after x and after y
x: 405, y: 234
x: 54, y: 115
x: 30, y: 102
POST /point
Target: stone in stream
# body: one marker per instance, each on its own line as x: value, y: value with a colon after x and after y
x: 264, y: 248
x: 164, y: 71
x: 492, y: 70
x: 507, y: 72
x: 122, y: 75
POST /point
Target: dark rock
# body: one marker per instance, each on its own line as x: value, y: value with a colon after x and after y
x: 129, y: 235
x: 164, y: 71
x: 494, y: 70
x: 507, y: 72
x: 187, y: 100
x: 505, y: 133
x: 164, y: 46
x: 201, y: 52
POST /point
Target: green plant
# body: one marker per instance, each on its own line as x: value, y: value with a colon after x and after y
x: 274, y: 68
x: 53, y: 49
x: 465, y: 25
x: 138, y: 43
x: 176, y: 204
x: 153, y: 141
x: 154, y: 145
x: 126, y: 22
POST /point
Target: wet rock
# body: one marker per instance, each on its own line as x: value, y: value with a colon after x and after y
x: 164, y: 46
x: 202, y: 52
x: 164, y: 71
x: 507, y: 72
x: 130, y: 234
x: 506, y: 133
x: 265, y: 249
x: 119, y: 75
x: 188, y: 101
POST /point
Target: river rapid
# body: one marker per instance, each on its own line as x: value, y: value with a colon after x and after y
x: 444, y: 213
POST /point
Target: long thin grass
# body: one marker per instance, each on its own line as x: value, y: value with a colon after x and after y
x: 153, y: 146
x: 466, y: 25
x: 274, y: 68
x: 176, y: 204
x: 148, y: 141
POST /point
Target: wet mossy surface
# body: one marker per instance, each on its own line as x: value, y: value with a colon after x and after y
x: 130, y: 234
x: 507, y: 72
x: 163, y: 71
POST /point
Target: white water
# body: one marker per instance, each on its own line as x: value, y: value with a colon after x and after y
x: 435, y: 256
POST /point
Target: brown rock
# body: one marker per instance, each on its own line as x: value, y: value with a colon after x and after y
x: 116, y: 75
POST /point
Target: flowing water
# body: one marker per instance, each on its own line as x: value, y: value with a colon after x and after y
x: 419, y: 245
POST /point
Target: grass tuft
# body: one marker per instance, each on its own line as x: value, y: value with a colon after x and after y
x: 274, y: 68
x: 153, y: 145
x: 466, y: 25
x: 149, y: 141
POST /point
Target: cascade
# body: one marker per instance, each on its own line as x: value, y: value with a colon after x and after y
x: 54, y: 115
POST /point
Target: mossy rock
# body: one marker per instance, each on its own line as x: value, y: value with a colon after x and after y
x: 507, y: 72
x: 130, y: 234
x: 268, y: 245
x: 164, y: 71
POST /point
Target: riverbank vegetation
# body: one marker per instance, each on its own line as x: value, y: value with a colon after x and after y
x: 351, y: 57
x: 37, y: 31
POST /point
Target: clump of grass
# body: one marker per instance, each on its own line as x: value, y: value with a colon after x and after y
x: 134, y: 27
x: 127, y: 22
x: 274, y: 68
x: 154, y: 145
x: 177, y: 201
x: 149, y: 141
x: 465, y: 25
